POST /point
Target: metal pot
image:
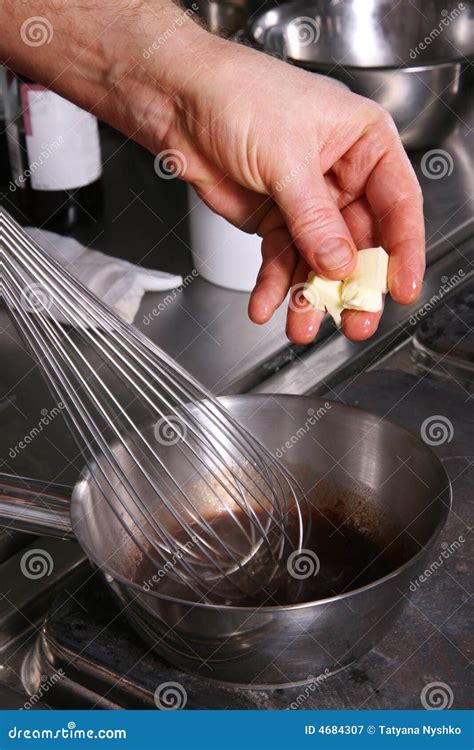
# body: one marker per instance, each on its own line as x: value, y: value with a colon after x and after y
x: 363, y: 473
x: 222, y: 18
x: 409, y: 60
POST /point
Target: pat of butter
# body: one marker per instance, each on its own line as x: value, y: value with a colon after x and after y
x: 356, y: 297
x: 324, y: 294
x: 363, y: 289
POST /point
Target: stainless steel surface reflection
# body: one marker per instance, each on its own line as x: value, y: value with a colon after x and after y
x: 411, y: 60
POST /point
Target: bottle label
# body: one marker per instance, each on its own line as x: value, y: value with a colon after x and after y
x: 62, y: 141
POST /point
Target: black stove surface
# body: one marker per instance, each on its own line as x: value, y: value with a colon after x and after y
x: 430, y: 642
x: 413, y: 401
x: 448, y: 330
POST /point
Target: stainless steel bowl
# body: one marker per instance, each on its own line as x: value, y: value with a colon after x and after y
x: 412, y: 60
x: 332, y: 449
x: 220, y: 17
x: 376, y: 482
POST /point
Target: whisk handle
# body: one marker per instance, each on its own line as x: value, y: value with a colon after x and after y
x: 35, y: 506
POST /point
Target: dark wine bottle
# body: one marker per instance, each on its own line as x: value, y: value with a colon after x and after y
x: 54, y: 155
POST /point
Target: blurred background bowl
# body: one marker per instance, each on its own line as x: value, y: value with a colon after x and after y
x: 220, y: 17
x: 411, y: 57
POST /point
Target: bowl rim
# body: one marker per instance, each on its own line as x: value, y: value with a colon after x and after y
x: 326, y: 67
x: 247, y: 35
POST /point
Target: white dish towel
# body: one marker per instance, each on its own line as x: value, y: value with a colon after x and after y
x: 118, y: 283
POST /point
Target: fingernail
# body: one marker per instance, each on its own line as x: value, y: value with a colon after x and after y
x: 405, y: 288
x: 260, y: 307
x: 333, y: 254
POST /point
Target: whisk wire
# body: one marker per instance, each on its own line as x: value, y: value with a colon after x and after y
x: 245, y: 482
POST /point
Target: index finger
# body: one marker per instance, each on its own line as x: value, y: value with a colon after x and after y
x: 395, y: 197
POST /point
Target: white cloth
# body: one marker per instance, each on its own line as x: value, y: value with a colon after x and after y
x: 118, y: 283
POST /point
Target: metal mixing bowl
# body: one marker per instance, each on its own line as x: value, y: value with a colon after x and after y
x: 377, y: 484
x: 331, y: 448
x: 412, y: 60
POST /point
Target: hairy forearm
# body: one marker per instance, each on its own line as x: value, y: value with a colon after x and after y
x: 103, y: 54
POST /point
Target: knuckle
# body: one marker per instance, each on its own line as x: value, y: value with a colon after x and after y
x: 381, y: 116
x: 386, y: 121
x: 313, y: 217
x: 412, y: 196
x: 268, y: 276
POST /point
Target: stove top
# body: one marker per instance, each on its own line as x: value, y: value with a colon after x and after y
x: 444, y: 342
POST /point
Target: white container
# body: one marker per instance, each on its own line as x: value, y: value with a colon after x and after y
x: 222, y: 254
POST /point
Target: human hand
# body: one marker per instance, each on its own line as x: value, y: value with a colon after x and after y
x: 316, y: 171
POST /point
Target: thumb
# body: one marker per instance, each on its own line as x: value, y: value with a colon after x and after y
x: 316, y: 226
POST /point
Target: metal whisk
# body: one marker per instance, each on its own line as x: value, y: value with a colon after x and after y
x: 199, y: 496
